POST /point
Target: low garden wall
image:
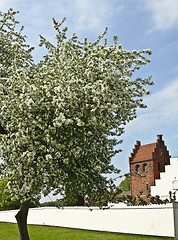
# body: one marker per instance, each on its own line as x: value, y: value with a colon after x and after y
x: 156, y: 220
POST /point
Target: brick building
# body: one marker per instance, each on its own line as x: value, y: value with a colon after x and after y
x: 146, y: 163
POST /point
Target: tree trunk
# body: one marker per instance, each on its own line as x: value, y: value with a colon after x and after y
x: 21, y: 218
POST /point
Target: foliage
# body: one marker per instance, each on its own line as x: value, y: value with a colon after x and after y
x: 5, y: 199
x: 14, y: 52
x: 111, y: 196
x: 64, y: 115
x: 6, y: 202
x: 56, y: 203
x: 156, y: 200
x: 114, y: 195
x: 98, y: 198
x: 72, y: 199
x: 125, y: 184
x: 148, y: 199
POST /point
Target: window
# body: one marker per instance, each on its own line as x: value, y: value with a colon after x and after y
x: 138, y: 168
x: 145, y: 167
x: 161, y: 153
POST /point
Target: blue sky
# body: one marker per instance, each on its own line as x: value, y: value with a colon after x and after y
x: 139, y: 24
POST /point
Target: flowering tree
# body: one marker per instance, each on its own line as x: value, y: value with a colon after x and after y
x: 5, y: 199
x: 62, y: 115
x: 6, y: 203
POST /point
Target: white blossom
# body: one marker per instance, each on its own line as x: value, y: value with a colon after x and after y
x: 60, y: 114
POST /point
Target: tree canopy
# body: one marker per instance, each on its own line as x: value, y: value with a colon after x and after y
x: 5, y: 198
x: 63, y: 115
x: 125, y: 184
x: 6, y: 202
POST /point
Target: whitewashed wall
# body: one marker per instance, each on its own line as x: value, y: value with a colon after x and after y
x: 156, y: 220
x: 164, y: 184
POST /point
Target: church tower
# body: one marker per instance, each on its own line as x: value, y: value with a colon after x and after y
x: 146, y: 163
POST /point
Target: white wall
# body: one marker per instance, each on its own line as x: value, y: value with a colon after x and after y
x: 176, y: 219
x: 155, y: 220
x: 164, y: 184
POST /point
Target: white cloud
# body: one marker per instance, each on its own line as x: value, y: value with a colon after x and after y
x: 161, y: 112
x: 4, y: 4
x: 83, y: 14
x: 14, y: 4
x: 88, y: 14
x: 165, y: 101
x: 164, y: 13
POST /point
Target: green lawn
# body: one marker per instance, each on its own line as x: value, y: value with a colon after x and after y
x: 9, y: 231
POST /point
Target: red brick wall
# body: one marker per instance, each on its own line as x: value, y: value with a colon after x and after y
x: 159, y: 158
x: 143, y: 180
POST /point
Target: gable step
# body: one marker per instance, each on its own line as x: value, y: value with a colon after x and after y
x: 164, y: 185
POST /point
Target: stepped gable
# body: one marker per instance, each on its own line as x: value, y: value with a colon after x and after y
x: 149, y: 151
x: 142, y: 153
x: 148, y: 161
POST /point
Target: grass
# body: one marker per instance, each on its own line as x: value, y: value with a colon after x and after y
x: 9, y: 231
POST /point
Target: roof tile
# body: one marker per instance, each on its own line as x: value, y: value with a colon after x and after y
x: 144, y: 152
